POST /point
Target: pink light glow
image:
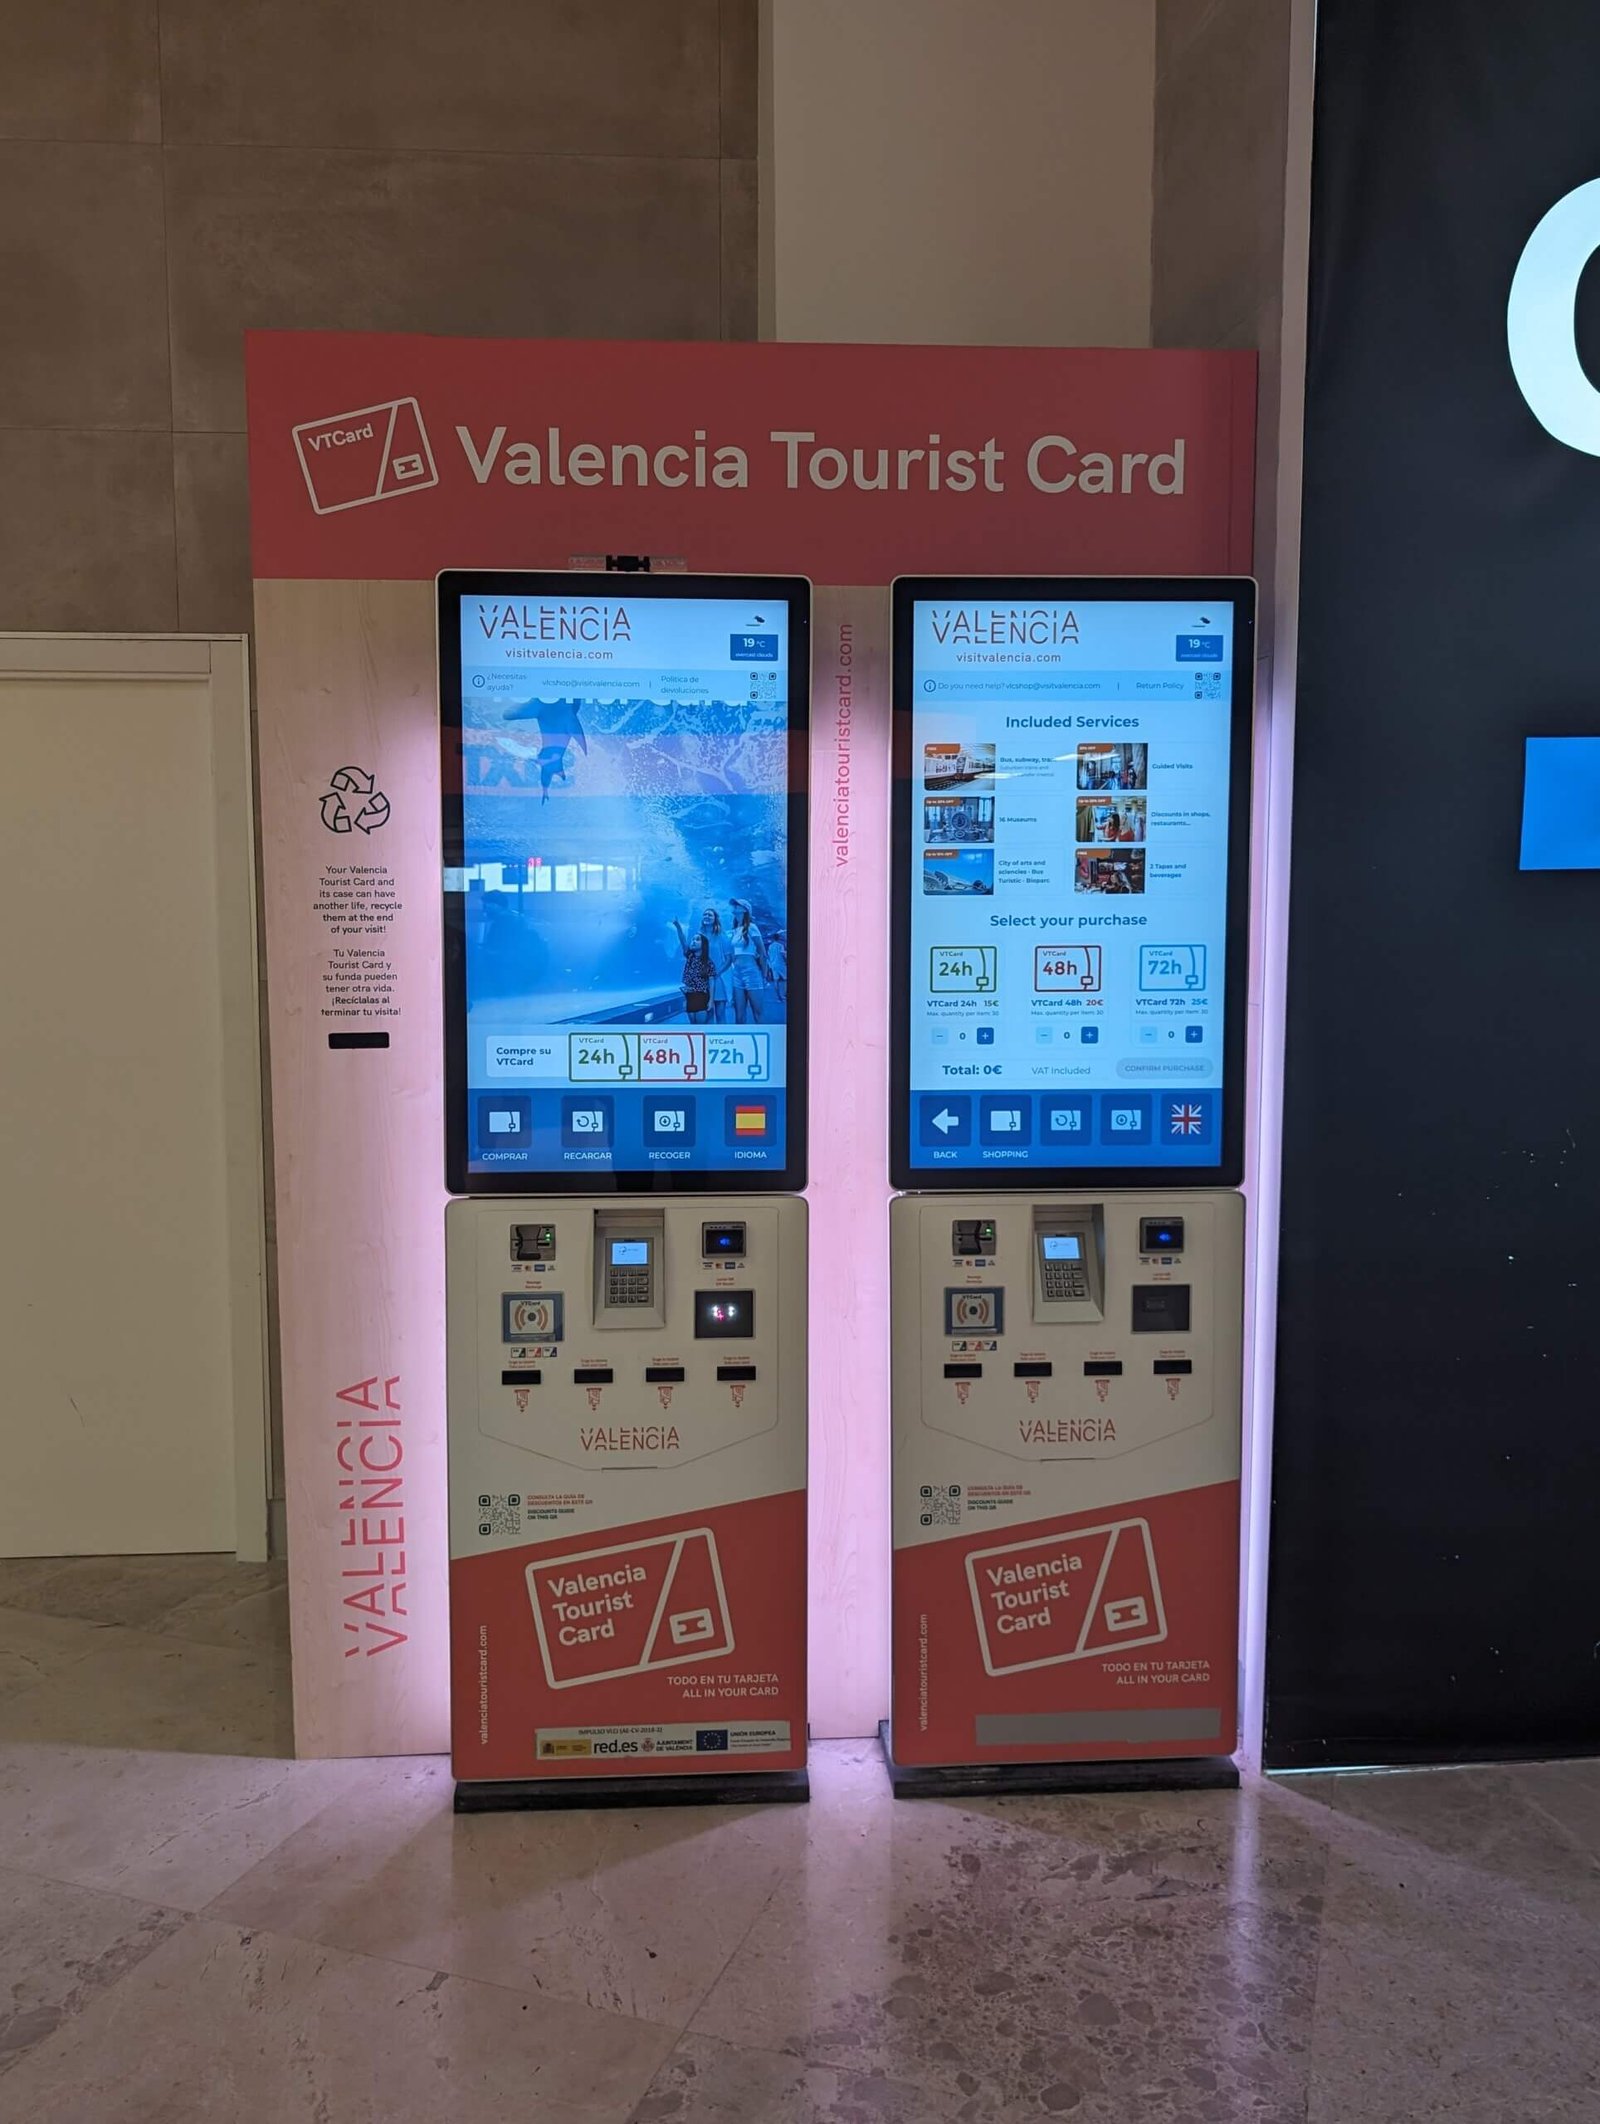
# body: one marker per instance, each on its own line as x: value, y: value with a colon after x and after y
x: 1270, y: 920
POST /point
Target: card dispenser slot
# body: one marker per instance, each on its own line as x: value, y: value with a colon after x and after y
x: 592, y: 1375
x: 1033, y: 1368
x: 520, y: 1378
x: 736, y: 1372
x: 663, y: 1375
x: 1102, y: 1368
x: 963, y: 1371
x: 1173, y: 1367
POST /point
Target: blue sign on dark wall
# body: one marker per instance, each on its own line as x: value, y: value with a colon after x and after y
x: 1561, y: 804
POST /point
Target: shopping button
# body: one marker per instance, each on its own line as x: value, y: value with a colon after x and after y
x: 1005, y: 1120
x: 505, y: 1121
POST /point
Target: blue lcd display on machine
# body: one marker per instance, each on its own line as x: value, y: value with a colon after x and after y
x: 1071, y: 805
x: 621, y: 893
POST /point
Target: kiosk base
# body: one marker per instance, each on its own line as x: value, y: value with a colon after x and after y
x: 1176, y: 1773
x: 733, y: 1788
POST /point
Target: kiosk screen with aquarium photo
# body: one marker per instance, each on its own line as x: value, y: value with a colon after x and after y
x: 625, y: 873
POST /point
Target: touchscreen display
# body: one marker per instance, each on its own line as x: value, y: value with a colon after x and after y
x: 1066, y: 879
x: 626, y: 879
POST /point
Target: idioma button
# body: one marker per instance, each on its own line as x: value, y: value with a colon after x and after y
x: 747, y: 1121
x: 1188, y: 1117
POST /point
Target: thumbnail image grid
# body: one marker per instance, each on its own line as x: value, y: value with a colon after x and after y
x: 1113, y: 767
x: 957, y: 766
x: 1109, y: 870
x: 1110, y: 819
x: 949, y: 821
x: 958, y: 815
x: 958, y: 871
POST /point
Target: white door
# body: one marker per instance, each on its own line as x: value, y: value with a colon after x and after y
x: 131, y: 1328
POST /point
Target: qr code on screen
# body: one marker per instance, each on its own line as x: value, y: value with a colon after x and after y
x: 939, y: 1504
x: 499, y: 1515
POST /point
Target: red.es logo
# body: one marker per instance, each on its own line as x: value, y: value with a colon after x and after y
x: 366, y: 456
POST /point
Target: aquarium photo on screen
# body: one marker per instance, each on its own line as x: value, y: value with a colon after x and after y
x: 624, y: 909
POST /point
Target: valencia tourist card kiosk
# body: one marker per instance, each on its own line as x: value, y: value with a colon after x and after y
x: 625, y: 814
x: 1070, y: 876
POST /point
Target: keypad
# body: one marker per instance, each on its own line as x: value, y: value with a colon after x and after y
x: 1064, y: 1281
x: 627, y: 1286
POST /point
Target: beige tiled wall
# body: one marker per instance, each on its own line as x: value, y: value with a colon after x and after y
x: 173, y: 171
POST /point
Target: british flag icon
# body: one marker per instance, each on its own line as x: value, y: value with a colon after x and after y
x: 1185, y: 1118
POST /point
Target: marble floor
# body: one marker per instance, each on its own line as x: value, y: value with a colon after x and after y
x: 194, y: 1926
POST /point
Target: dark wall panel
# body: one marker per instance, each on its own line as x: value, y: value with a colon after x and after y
x: 1435, y: 1587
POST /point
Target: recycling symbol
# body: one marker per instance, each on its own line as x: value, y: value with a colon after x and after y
x: 353, y: 801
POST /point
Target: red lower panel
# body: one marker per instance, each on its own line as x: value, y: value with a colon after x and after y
x: 1093, y: 1636
x: 673, y: 1645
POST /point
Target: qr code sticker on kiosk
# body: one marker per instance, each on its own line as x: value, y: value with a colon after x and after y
x: 499, y: 1515
x: 939, y: 1504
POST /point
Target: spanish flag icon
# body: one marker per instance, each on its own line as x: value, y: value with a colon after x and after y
x: 749, y: 1120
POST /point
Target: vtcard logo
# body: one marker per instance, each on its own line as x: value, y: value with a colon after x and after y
x: 1078, y: 1594
x: 366, y: 456
x: 630, y: 1608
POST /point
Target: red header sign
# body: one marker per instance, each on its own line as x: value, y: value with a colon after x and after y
x: 379, y: 455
